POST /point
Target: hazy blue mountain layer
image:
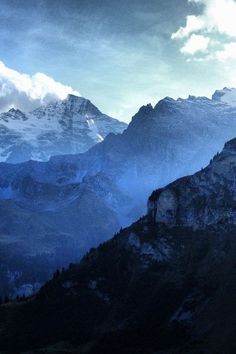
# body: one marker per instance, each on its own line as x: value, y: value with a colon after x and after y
x: 81, y: 200
x: 166, y: 284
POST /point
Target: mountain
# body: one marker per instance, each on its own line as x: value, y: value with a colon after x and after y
x: 166, y: 284
x: 165, y: 142
x: 82, y: 200
x: 227, y: 95
x: 162, y: 143
x: 63, y: 127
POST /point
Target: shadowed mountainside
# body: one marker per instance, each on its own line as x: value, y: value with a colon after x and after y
x: 166, y: 284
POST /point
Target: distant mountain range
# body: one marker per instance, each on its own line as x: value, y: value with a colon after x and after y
x: 166, y: 284
x: 53, y: 212
x: 70, y: 126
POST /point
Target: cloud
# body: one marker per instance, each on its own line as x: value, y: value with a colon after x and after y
x: 217, y: 19
x: 193, y: 24
x: 196, y: 43
x: 228, y: 52
x: 28, y: 92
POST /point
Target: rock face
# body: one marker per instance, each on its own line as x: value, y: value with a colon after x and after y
x: 166, y: 284
x: 165, y: 207
x: 205, y: 199
x: 65, y: 127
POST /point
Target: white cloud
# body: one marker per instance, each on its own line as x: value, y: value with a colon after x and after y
x: 196, y: 43
x: 217, y: 18
x: 28, y: 92
x: 193, y: 24
x: 228, y: 52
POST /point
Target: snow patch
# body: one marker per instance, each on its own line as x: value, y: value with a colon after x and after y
x: 94, y: 134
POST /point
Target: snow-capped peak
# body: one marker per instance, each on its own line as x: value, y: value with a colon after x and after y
x: 68, y: 126
x: 13, y: 114
x: 227, y: 95
x: 80, y: 105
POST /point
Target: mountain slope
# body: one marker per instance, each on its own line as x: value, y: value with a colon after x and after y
x: 160, y: 286
x: 63, y: 127
x: 47, y: 227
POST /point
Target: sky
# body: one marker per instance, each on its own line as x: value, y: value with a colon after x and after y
x: 119, y: 54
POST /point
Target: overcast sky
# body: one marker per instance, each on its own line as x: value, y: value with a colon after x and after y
x: 119, y: 54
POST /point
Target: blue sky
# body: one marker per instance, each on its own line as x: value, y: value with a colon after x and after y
x: 119, y: 54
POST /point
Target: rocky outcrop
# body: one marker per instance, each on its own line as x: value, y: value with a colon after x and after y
x: 164, y: 207
x: 207, y: 198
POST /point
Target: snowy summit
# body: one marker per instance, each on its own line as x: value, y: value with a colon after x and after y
x: 63, y: 127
